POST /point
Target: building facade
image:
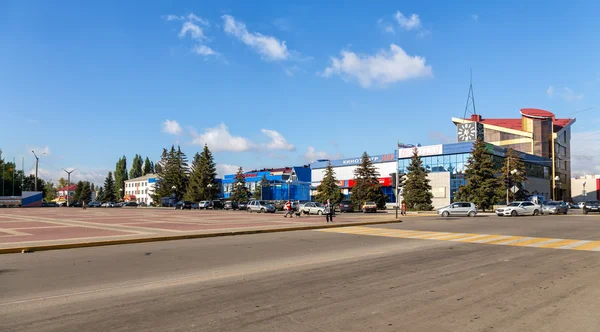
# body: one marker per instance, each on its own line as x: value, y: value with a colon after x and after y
x: 140, y: 189
x: 537, y: 132
x: 585, y: 188
x: 282, y: 183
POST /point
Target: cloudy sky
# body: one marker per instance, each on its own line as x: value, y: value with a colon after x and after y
x: 275, y: 83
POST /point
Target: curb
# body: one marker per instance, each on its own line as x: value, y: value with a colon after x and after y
x: 182, y: 237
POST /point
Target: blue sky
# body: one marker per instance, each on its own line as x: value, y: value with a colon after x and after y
x: 275, y: 83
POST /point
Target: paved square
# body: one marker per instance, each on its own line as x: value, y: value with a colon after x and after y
x: 49, y: 226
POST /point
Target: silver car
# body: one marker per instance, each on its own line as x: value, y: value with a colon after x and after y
x: 260, y: 207
x: 312, y: 208
x: 458, y: 209
x: 554, y: 208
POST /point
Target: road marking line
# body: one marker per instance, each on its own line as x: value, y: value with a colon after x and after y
x: 473, y: 237
x: 530, y: 242
x: 506, y: 240
x: 576, y: 244
x: 484, y: 239
x: 558, y: 243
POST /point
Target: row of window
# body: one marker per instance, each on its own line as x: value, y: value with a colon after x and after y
x: 136, y: 184
x: 136, y: 192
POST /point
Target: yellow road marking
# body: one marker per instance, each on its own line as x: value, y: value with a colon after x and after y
x: 496, y: 239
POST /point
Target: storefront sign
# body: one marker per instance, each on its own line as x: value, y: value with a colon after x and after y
x: 251, y: 175
x: 384, y: 182
x: 430, y: 150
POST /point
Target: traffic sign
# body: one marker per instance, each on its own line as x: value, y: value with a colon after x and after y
x: 514, y: 189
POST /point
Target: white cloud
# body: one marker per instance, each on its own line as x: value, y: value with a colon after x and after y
x: 383, y: 68
x: 219, y: 139
x: 223, y: 169
x: 585, y: 152
x: 190, y: 17
x: 313, y: 155
x: 385, y: 26
x: 278, y: 142
x: 193, y: 29
x: 550, y: 91
x: 40, y: 151
x: 172, y: 127
x: 568, y: 95
x: 96, y: 176
x: 204, y: 50
x: 408, y: 23
x: 270, y: 47
x: 475, y: 17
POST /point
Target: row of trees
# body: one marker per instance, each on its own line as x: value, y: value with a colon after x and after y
x: 177, y: 179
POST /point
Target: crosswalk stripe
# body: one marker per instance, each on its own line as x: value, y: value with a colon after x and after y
x: 496, y: 239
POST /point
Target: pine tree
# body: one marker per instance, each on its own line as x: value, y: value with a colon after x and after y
x: 109, y: 189
x: 148, y: 167
x: 240, y: 191
x: 194, y: 191
x: 78, y: 191
x: 417, y: 191
x: 136, y: 167
x: 100, y: 194
x: 120, y: 178
x: 172, y: 176
x: 482, y: 185
x: 86, y: 192
x: 366, y: 184
x: 510, y: 178
x: 329, y: 189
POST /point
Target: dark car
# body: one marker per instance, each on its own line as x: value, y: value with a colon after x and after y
x: 230, y: 205
x: 216, y: 205
x: 94, y: 204
x: 130, y: 204
x: 51, y: 204
x: 346, y: 206
x: 76, y: 204
x: 242, y: 206
x: 591, y: 206
x: 183, y: 205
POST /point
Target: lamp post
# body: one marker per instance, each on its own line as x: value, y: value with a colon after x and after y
x: 37, y: 160
x: 556, y: 185
x: 121, y: 193
x: 584, y: 193
x: 289, y: 182
x: 209, y: 186
x: 513, y: 172
x: 68, y: 183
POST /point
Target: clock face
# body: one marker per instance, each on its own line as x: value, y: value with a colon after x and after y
x: 467, y: 132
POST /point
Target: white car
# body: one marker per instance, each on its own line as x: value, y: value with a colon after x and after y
x: 312, y: 208
x: 519, y: 209
x: 203, y: 205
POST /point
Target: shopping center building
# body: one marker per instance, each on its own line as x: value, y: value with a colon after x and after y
x: 281, y: 183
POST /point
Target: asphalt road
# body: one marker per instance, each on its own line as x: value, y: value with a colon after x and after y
x: 314, y: 281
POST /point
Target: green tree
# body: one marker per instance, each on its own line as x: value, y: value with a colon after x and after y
x: 78, y: 190
x: 120, y: 178
x: 366, y: 184
x: 50, y: 192
x: 240, y: 191
x: 417, y: 191
x: 329, y: 189
x: 100, y: 194
x: 202, y: 184
x: 259, y: 188
x: 172, y: 175
x: 513, y: 173
x: 136, y: 167
x: 482, y: 185
x: 86, y: 192
x: 148, y: 167
x: 62, y: 182
x: 109, y: 189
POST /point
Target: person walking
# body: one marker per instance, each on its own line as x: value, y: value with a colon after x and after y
x: 83, y: 205
x: 328, y: 211
x: 288, y: 209
x: 403, y: 211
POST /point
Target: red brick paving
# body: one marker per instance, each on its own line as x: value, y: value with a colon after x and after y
x: 25, y: 224
x: 59, y: 233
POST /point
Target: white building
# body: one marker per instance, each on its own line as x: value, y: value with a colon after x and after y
x: 140, y: 189
x: 585, y: 188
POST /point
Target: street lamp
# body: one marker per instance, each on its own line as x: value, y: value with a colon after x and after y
x: 513, y: 172
x: 68, y: 183
x: 289, y: 181
x: 556, y: 185
x: 174, y: 188
x: 37, y: 160
x: 121, y: 193
x: 209, y: 190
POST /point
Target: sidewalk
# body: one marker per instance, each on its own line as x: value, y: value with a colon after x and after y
x: 61, y: 228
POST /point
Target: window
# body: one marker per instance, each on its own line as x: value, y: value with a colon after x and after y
x: 527, y: 204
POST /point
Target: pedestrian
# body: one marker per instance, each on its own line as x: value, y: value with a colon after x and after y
x: 288, y: 209
x: 83, y: 205
x: 328, y: 211
x: 403, y: 211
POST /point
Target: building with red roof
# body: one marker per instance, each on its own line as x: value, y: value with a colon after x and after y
x: 537, y: 132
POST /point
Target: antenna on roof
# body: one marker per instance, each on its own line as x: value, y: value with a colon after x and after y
x: 470, y: 98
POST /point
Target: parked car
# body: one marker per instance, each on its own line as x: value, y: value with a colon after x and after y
x: 108, y: 204
x: 183, y: 205
x: 591, y: 206
x: 195, y: 206
x: 519, y: 209
x: 260, y: 206
x: 215, y: 205
x: 204, y: 205
x: 76, y: 204
x: 573, y: 205
x: 242, y: 206
x: 230, y: 205
x: 581, y: 205
x: 458, y: 209
x: 51, y: 204
x: 312, y: 208
x: 368, y: 207
x: 552, y: 207
x: 346, y: 206
x: 94, y: 204
x: 130, y: 204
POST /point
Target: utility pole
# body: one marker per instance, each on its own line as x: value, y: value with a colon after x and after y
x: 507, y: 178
x: 68, y: 183
x: 37, y: 161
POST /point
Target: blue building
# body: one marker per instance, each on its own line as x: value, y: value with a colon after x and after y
x: 282, y: 183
